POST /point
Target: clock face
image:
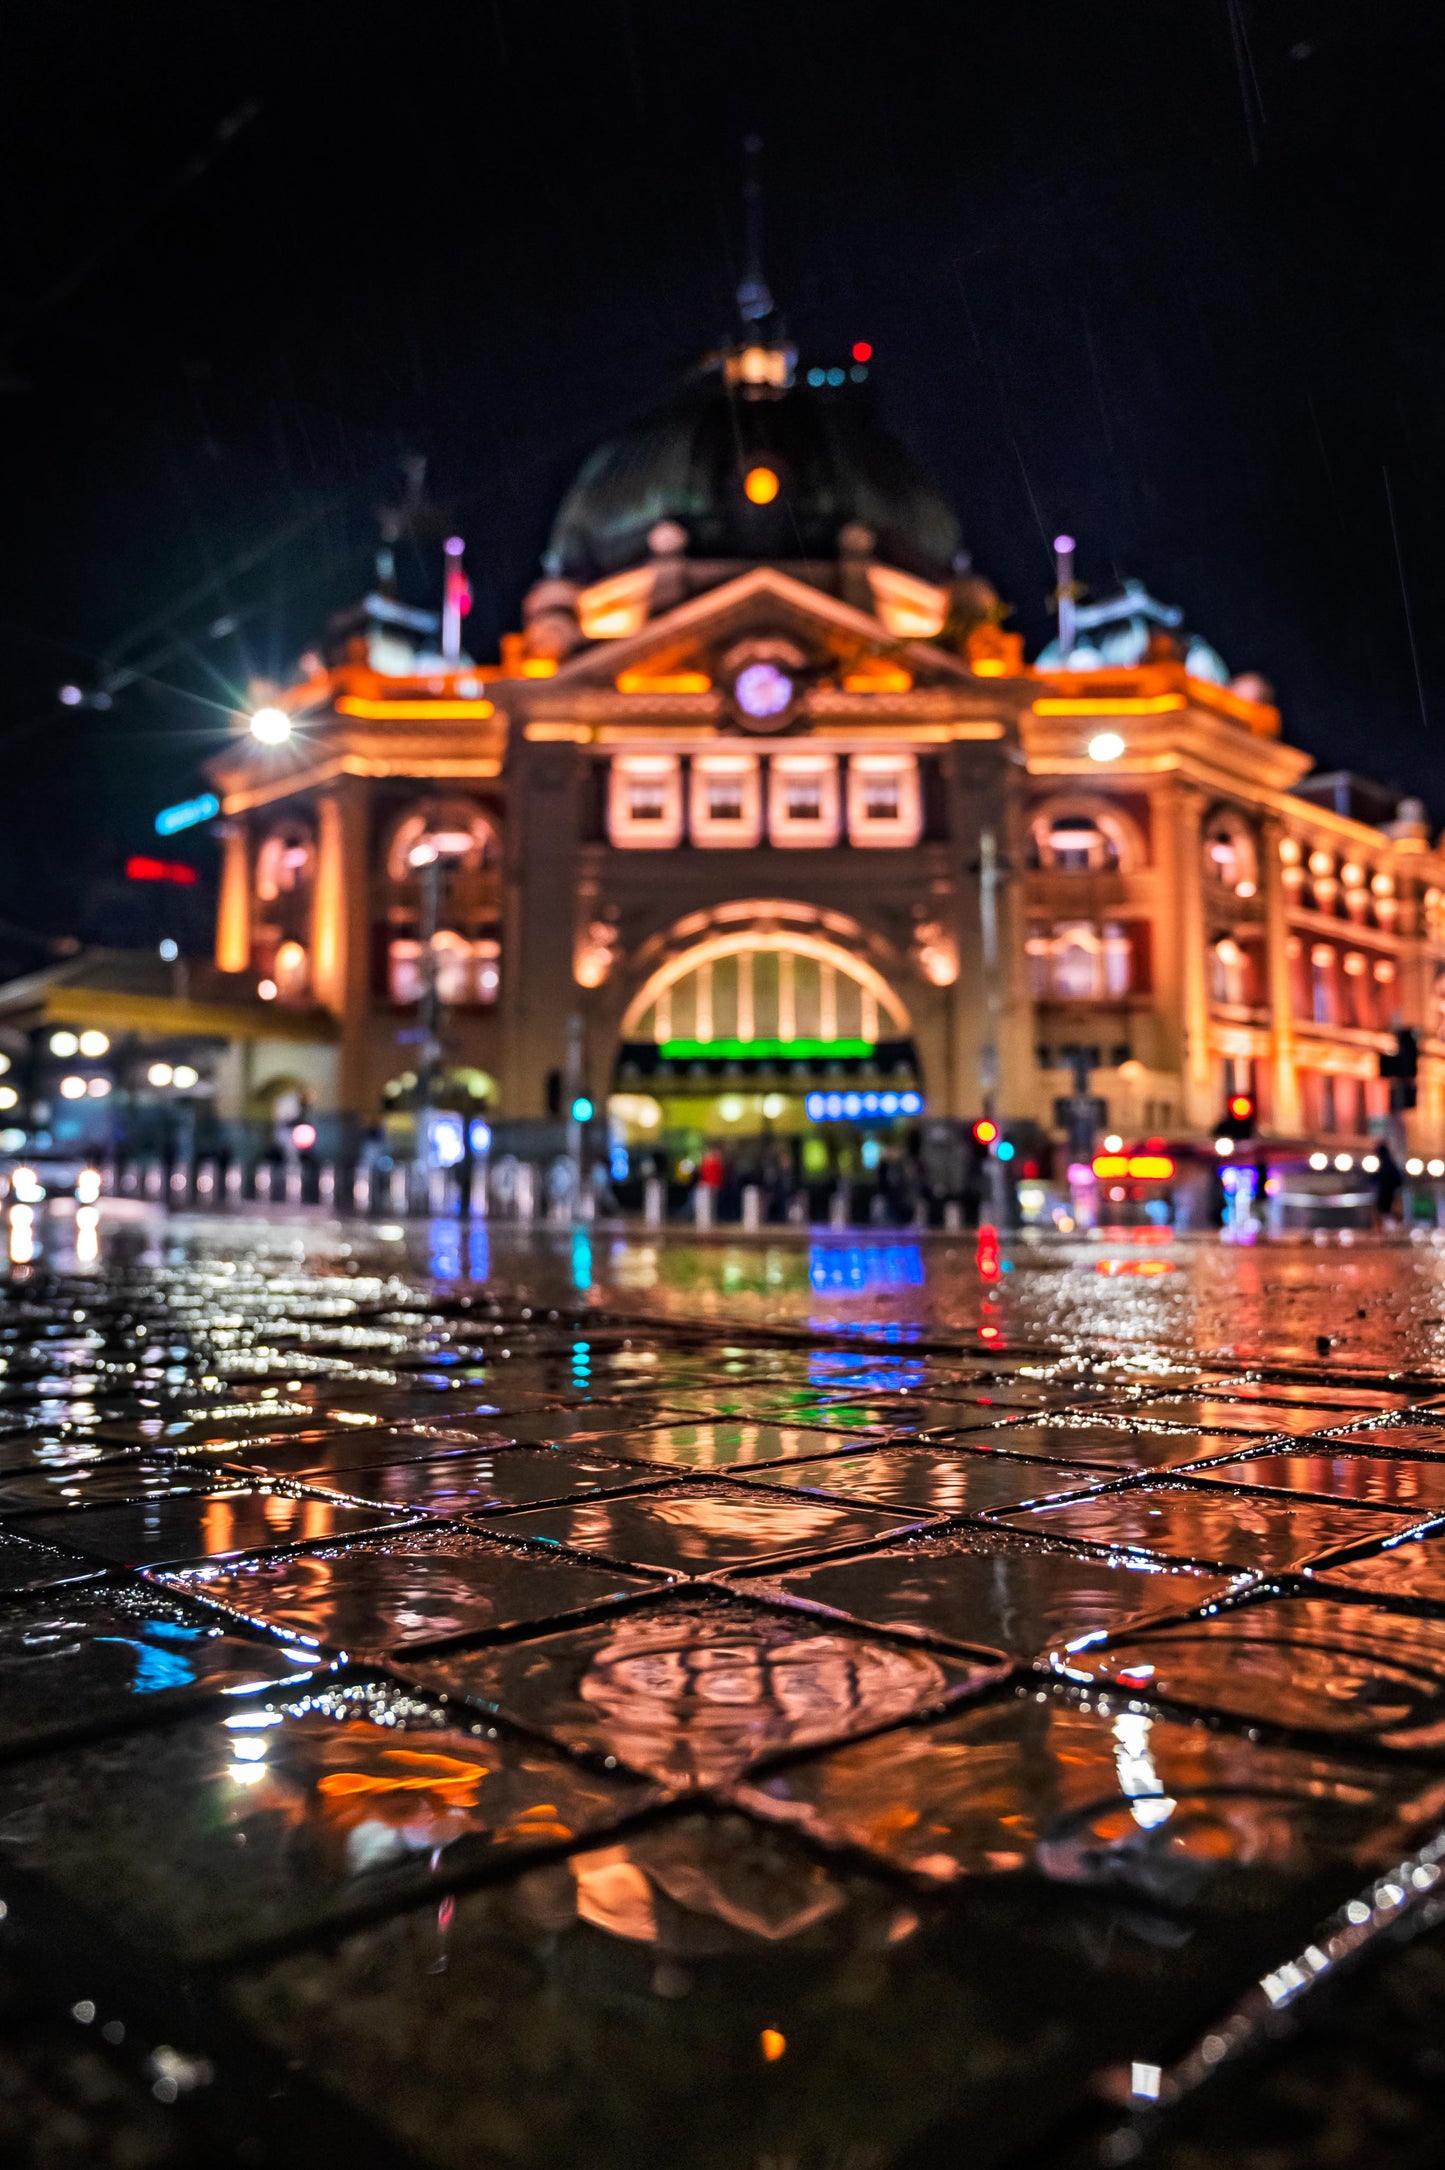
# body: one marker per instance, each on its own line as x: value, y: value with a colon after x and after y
x: 762, y: 690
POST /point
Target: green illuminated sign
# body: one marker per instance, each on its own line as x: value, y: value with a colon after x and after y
x: 764, y: 1050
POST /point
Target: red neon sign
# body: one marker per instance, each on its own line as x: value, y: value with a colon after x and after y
x: 161, y: 870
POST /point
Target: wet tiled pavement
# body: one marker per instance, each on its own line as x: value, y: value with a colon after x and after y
x: 592, y: 1702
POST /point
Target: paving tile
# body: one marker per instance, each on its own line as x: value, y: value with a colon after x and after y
x: 118, y: 1477
x: 710, y: 1448
x: 1412, y: 1485
x: 1214, y: 1526
x: 694, y: 1692
x: 1412, y: 1570
x: 352, y: 1448
x: 487, y: 1483
x: 103, y: 1652
x: 1290, y: 1661
x: 1113, y: 1798
x: 203, y: 1525
x: 702, y: 1529
x: 283, y: 1814
x: 794, y: 2012
x: 929, y: 1480
x: 1240, y: 1416
x: 989, y: 1590
x: 27, y: 1564
x: 416, y: 1585
x: 1115, y: 1446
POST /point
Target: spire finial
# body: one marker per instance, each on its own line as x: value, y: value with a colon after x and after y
x: 755, y: 300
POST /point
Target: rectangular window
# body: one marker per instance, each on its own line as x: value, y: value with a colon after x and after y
x: 880, y: 798
x: 1077, y: 960
x: 885, y: 801
x: 725, y: 801
x: 803, y: 808
x: 644, y: 801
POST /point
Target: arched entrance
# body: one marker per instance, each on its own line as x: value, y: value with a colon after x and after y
x: 772, y: 1034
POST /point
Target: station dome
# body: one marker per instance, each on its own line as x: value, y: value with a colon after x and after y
x: 768, y: 472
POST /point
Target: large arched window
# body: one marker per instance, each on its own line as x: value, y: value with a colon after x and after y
x: 768, y: 984
x: 441, y: 865
x: 285, y: 868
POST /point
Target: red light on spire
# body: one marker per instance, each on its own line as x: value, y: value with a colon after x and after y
x: 862, y: 350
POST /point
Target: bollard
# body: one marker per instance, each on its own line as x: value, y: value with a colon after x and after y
x: 652, y: 1202
x: 262, y: 1190
x: 586, y: 1203
x: 235, y: 1176
x: 479, y: 1190
x: 952, y: 1215
x: 526, y: 1192
x: 920, y: 1214
x: 752, y: 1203
x: 436, y: 1192
x: 838, y: 1208
x: 326, y: 1186
x: 293, y: 1184
x: 702, y: 1205
x: 398, y: 1189
x: 798, y: 1209
x: 361, y: 1189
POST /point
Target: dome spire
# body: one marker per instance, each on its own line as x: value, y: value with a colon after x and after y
x: 755, y: 300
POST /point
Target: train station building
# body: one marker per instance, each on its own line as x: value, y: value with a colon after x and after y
x: 763, y: 825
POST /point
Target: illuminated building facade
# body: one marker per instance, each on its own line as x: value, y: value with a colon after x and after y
x: 763, y: 801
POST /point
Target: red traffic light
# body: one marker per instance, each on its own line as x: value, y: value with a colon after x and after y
x: 985, y: 1130
x: 1241, y: 1107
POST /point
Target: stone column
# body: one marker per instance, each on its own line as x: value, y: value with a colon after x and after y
x: 1199, y: 1109
x: 1285, y: 1102
x: 233, y: 914
x: 341, y: 930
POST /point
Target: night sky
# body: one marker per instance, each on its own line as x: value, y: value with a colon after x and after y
x: 1167, y: 275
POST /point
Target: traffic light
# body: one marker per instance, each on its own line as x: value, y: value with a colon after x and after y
x: 1400, y: 1068
x: 1239, y: 1116
x: 985, y: 1131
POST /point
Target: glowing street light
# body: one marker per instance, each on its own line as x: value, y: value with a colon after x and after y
x: 272, y: 726
x: 1105, y: 746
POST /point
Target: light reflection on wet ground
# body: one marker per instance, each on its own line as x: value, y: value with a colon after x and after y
x: 481, y: 1698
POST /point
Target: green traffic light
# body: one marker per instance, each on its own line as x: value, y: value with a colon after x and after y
x: 582, y: 1109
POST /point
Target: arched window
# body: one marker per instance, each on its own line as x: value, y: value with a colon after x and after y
x: 281, y: 941
x: 1083, y: 834
x: 1231, y: 857
x: 442, y: 871
x: 285, y: 863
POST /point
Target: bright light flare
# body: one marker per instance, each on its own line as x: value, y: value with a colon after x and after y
x: 271, y: 726
x: 1105, y: 746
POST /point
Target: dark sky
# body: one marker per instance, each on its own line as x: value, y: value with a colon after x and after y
x: 1167, y: 273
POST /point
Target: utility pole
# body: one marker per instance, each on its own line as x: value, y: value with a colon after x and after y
x: 988, y: 1050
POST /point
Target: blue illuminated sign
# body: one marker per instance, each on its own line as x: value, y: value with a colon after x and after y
x: 479, y: 1135
x: 861, y: 1107
x: 187, y: 814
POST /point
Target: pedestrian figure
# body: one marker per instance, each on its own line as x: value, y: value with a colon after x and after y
x: 1388, y: 1184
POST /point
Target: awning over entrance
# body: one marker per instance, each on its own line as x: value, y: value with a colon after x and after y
x: 680, y: 1066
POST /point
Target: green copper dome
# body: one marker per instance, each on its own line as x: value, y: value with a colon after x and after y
x: 834, y: 465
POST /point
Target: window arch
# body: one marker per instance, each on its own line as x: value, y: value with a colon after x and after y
x: 1079, y: 833
x: 281, y: 941
x: 441, y: 863
x: 1231, y: 853
x: 767, y: 974
x: 285, y: 863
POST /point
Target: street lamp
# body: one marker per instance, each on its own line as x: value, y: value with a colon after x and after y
x: 271, y: 726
